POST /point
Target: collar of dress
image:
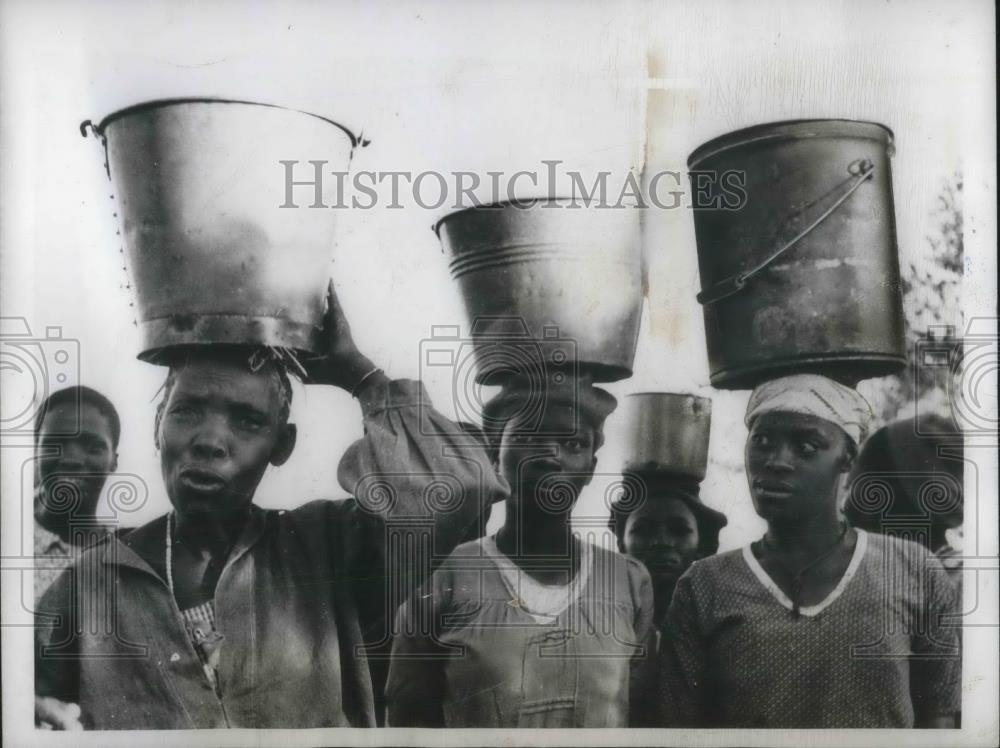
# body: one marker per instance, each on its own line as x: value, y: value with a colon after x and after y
x: 810, y: 610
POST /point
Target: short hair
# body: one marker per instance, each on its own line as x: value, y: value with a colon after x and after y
x: 79, y: 395
x: 710, y: 522
x: 254, y: 360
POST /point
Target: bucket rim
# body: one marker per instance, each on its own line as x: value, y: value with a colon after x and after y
x: 161, y: 103
x: 670, y: 394
x: 510, y: 202
x: 786, y: 130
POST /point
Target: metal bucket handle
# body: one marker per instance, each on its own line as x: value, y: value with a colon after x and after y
x: 862, y: 170
x: 98, y: 133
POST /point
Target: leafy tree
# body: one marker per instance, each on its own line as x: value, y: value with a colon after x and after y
x: 931, y: 286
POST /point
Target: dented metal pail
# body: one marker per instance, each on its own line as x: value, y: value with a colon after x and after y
x: 548, y: 282
x: 668, y: 434
x: 220, y: 247
x: 797, y: 252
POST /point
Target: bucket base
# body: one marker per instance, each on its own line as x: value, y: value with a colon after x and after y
x: 848, y: 369
x: 180, y: 331
x: 597, y: 373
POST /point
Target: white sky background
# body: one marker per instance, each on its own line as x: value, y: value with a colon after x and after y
x: 449, y: 86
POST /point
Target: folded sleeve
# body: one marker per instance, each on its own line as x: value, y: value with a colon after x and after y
x: 414, y: 462
x: 422, y: 479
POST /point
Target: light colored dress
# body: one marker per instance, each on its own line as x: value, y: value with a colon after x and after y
x: 483, y: 644
x: 880, y: 651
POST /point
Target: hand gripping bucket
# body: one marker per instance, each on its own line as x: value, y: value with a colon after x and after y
x: 801, y: 274
x: 214, y: 249
x: 548, y: 282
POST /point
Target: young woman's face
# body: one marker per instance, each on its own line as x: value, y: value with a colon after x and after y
x: 76, y: 451
x: 220, y: 428
x: 547, y: 462
x: 663, y: 535
x: 793, y: 465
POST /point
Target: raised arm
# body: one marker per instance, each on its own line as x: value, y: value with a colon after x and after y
x: 418, y: 478
x: 414, y: 468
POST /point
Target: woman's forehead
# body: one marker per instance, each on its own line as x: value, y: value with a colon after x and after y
x: 226, y: 380
x: 791, y: 421
x: 71, y: 417
x: 552, y: 419
x: 659, y: 507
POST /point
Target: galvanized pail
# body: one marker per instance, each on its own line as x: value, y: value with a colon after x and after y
x: 797, y: 252
x: 215, y: 251
x: 548, y: 282
x: 668, y: 434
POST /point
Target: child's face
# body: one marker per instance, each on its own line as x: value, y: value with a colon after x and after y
x: 663, y: 535
x: 76, y: 452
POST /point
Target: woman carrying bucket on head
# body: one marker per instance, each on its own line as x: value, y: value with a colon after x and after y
x: 816, y: 625
x: 220, y: 613
x: 534, y: 626
x: 662, y: 520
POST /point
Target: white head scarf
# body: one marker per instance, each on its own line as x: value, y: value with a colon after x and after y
x: 813, y: 395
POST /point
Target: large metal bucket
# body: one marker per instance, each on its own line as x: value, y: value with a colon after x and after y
x: 213, y: 255
x: 668, y: 433
x: 804, y: 276
x: 548, y: 283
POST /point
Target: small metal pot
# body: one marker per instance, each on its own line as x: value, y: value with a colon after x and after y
x: 213, y: 255
x: 668, y: 434
x: 548, y: 282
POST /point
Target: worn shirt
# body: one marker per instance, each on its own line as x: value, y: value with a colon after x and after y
x: 880, y: 651
x: 300, y: 596
x: 53, y: 555
x: 507, y: 651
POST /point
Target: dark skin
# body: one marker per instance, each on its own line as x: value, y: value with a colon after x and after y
x: 218, y: 432
x: 546, y: 474
x: 220, y: 429
x: 82, y: 460
x: 794, y: 464
x: 663, y: 535
x: 78, y: 462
